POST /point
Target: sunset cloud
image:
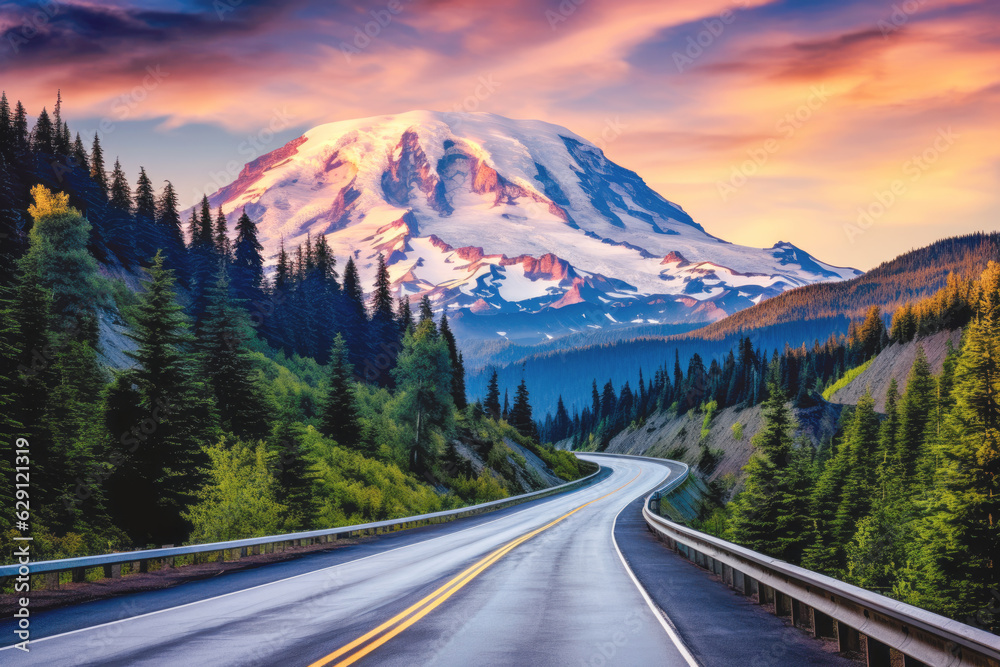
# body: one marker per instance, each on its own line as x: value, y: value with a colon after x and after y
x: 696, y: 90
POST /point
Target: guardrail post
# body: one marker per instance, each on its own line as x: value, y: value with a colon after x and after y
x: 782, y: 604
x: 876, y: 653
x: 824, y: 627
x: 52, y: 580
x: 113, y: 571
x: 765, y: 594
x: 79, y: 574
x: 848, y: 639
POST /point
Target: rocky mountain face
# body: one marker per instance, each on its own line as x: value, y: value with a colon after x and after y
x: 520, y: 229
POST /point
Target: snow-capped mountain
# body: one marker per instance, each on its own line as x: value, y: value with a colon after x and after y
x: 521, y: 228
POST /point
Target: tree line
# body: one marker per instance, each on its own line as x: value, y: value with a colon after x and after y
x: 905, y: 502
x: 251, y: 402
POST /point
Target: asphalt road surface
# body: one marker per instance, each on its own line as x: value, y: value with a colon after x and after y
x: 539, y: 584
x: 543, y: 583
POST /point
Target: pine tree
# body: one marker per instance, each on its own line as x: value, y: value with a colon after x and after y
x: 80, y: 158
x: 506, y: 406
x: 248, y: 264
x: 561, y: 423
x: 457, y: 365
x: 520, y: 414
x: 168, y: 220
x: 222, y: 343
x: 426, y: 310
x: 492, y: 403
x: 766, y: 516
x: 954, y: 567
x: 6, y: 130
x: 405, y: 316
x: 161, y: 470
x: 98, y: 172
x: 385, y: 338
x: 294, y: 474
x: 60, y: 131
x: 915, y: 411
x: 354, y: 319
x: 340, y: 419
x: 42, y: 135
x: 59, y: 260
x: 120, y: 193
x: 221, y: 237
x: 20, y: 127
x: 423, y: 375
x: 206, y: 236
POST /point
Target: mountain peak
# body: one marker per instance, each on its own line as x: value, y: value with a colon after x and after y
x: 492, y: 216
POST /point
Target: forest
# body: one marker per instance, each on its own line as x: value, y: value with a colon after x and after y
x: 251, y: 403
x: 904, y: 502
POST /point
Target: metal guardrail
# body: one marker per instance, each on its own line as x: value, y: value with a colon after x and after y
x: 858, y: 619
x: 112, y: 560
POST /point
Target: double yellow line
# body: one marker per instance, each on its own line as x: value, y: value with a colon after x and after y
x: 371, y: 640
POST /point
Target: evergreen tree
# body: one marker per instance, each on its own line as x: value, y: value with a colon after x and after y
x: 120, y: 193
x: 457, y: 365
x: 561, y: 423
x: 426, y: 310
x: 915, y: 411
x: 492, y: 403
x: 340, y: 419
x: 423, y: 375
x: 520, y: 414
x: 221, y: 238
x: 6, y: 129
x: 160, y: 467
x: 294, y: 474
x: 80, y: 158
x: 168, y: 220
x: 354, y: 319
x: 222, y: 342
x: 98, y: 172
x: 954, y: 570
x: 42, y: 135
x: 766, y: 516
x: 385, y: 338
x: 405, y: 316
x: 59, y: 260
x: 206, y: 234
x: 248, y: 264
x: 20, y: 128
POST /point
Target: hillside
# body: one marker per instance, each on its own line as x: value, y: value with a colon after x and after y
x: 800, y: 316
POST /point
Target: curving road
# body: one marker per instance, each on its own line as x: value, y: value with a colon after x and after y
x: 538, y: 584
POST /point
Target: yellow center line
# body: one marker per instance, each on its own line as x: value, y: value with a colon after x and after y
x: 414, y: 613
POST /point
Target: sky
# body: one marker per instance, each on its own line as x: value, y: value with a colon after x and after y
x: 856, y: 130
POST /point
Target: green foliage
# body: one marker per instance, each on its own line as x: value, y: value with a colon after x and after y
x: 423, y: 375
x: 846, y: 379
x: 737, y: 431
x: 706, y: 424
x: 240, y: 499
x: 353, y: 489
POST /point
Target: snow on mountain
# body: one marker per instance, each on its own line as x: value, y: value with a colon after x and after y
x: 497, y: 217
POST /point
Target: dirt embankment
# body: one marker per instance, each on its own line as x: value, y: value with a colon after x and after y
x: 665, y: 433
x: 895, y: 362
